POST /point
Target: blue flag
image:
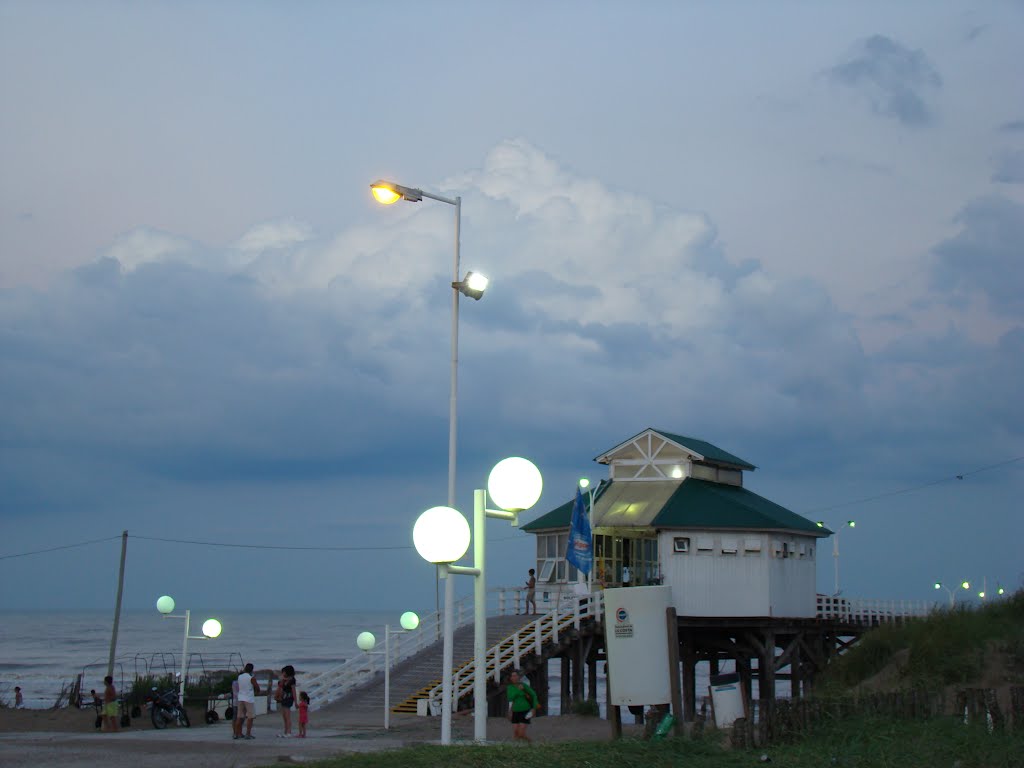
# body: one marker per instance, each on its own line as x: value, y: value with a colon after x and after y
x: 580, y: 551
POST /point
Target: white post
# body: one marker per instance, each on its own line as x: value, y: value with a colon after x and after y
x: 835, y: 554
x: 446, y: 664
x: 184, y: 655
x: 387, y: 677
x: 453, y: 415
x: 479, y: 617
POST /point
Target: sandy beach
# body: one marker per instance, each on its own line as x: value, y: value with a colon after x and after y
x: 68, y: 737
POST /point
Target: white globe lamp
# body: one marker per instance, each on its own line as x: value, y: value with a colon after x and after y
x: 212, y: 628
x: 409, y: 621
x: 441, y: 535
x: 366, y: 641
x: 515, y: 484
x: 165, y: 604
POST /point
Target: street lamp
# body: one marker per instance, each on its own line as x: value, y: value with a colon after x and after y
x: 366, y: 642
x: 473, y: 286
x: 441, y: 536
x: 835, y: 549
x: 952, y: 597
x: 211, y: 629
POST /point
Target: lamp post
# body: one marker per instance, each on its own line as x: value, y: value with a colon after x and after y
x: 952, y: 597
x: 835, y: 549
x: 366, y: 642
x: 585, y: 485
x: 441, y: 536
x: 211, y: 629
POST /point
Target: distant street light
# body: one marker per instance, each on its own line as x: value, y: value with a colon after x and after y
x: 366, y: 642
x: 952, y: 597
x: 211, y: 629
x: 835, y: 548
x: 473, y: 286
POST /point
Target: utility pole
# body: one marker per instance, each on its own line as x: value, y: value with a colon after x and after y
x: 117, y: 607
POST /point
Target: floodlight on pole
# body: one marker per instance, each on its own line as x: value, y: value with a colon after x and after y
x: 388, y: 192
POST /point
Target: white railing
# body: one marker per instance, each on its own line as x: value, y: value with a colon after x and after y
x: 337, y: 681
x: 572, y: 611
x: 870, y: 612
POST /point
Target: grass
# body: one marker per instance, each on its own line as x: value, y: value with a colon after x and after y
x: 947, y: 648
x: 861, y: 743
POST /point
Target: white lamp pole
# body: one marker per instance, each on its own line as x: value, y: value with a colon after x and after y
x: 515, y: 484
x: 366, y: 642
x: 387, y: 192
x: 952, y: 597
x: 585, y: 485
x: 211, y: 629
x: 835, y: 549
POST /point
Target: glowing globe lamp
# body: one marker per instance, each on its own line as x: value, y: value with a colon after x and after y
x: 366, y: 641
x: 515, y: 484
x: 584, y: 482
x: 409, y: 620
x: 165, y: 604
x: 441, y: 535
x: 212, y: 628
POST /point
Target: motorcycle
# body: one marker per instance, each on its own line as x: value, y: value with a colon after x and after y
x: 165, y: 709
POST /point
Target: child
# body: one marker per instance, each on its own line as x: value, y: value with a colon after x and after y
x: 303, y: 713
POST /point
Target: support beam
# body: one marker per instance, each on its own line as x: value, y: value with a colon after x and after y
x: 672, y: 627
x: 688, y: 658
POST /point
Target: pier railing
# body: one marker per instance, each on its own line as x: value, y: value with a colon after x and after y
x: 571, y: 611
x: 870, y: 613
x: 334, y: 683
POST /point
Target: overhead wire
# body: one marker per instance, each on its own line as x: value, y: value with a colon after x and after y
x: 310, y: 548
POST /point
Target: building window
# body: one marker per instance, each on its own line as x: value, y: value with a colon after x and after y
x: 729, y: 546
x: 681, y: 544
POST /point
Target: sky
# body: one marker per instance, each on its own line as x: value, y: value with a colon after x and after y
x: 791, y: 229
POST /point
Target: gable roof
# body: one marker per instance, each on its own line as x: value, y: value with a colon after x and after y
x: 703, y: 449
x: 693, y: 504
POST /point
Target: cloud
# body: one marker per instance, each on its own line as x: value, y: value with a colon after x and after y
x: 306, y: 382
x: 1013, y: 126
x: 897, y: 81
x: 985, y: 256
x: 1010, y: 167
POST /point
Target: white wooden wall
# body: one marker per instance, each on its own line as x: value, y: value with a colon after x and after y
x: 755, y: 581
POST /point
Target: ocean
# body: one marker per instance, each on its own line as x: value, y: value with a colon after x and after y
x: 41, y: 652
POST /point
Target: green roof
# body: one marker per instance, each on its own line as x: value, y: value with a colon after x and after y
x: 703, y: 504
x: 706, y: 449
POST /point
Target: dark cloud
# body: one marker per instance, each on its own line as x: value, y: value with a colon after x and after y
x: 897, y: 81
x: 1010, y: 167
x: 1014, y: 126
x: 985, y: 256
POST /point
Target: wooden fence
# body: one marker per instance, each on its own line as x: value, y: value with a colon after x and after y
x: 791, y: 719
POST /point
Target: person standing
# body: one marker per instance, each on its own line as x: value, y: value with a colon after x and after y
x: 522, y: 704
x: 110, y: 723
x: 303, y: 714
x: 246, y: 703
x: 531, y: 593
x: 19, y: 700
x: 285, y: 697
